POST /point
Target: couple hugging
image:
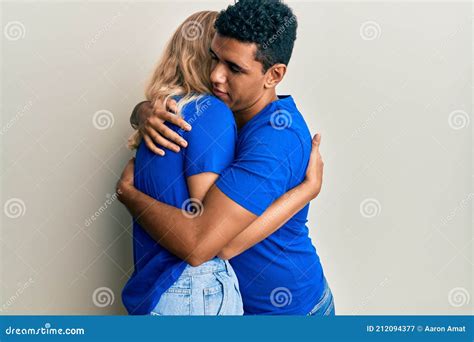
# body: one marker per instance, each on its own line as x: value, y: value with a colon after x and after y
x: 224, y: 171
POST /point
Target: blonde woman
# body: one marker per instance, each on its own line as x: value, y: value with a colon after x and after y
x: 162, y: 283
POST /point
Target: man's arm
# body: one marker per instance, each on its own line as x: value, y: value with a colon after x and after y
x: 193, y: 239
x: 219, y: 228
x: 134, y: 118
x: 149, y: 119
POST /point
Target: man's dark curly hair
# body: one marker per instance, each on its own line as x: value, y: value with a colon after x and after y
x: 270, y: 24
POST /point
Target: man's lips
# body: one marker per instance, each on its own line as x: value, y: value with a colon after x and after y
x: 218, y: 92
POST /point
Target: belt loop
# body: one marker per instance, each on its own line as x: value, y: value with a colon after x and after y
x: 227, y: 267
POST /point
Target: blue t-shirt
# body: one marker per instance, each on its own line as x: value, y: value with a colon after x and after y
x: 282, y: 274
x: 211, y: 149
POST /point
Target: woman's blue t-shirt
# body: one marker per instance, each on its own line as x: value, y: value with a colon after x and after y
x: 211, y: 145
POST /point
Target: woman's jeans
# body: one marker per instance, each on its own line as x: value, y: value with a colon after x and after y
x: 209, y: 289
x: 325, y: 305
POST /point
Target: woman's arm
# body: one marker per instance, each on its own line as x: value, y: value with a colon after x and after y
x: 204, y: 236
x: 199, y: 185
x: 282, y: 209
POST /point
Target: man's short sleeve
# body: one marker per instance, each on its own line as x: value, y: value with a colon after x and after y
x: 211, y: 142
x: 263, y: 169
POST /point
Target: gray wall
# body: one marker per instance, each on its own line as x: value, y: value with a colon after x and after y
x: 389, y: 85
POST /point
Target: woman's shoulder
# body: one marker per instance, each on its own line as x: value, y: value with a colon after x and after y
x: 207, y: 105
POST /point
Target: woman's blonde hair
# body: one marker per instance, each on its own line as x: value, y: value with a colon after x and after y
x: 185, y: 65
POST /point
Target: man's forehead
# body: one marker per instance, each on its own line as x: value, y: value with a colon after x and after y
x: 231, y: 47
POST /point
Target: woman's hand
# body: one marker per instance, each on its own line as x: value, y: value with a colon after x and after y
x: 282, y: 209
x: 314, y: 172
x: 151, y: 119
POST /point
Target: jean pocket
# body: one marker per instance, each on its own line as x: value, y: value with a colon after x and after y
x: 324, y: 305
x: 174, y: 302
x: 213, y: 300
x: 330, y: 310
x: 215, y: 297
x: 229, y: 301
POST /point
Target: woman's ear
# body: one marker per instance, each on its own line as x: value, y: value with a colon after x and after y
x: 274, y: 75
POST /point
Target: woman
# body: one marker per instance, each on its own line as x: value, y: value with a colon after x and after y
x: 163, y: 284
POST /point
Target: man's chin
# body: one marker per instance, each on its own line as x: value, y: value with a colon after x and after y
x: 224, y: 98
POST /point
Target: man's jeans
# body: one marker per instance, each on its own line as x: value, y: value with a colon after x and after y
x: 209, y: 289
x: 325, y: 305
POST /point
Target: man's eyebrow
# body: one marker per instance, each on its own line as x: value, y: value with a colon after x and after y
x: 229, y: 62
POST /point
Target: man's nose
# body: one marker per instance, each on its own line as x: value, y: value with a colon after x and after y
x: 218, y: 74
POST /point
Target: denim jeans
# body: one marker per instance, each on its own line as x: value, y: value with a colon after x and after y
x: 325, y: 305
x: 209, y: 289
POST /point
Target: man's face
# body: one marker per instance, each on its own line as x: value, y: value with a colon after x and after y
x: 237, y: 78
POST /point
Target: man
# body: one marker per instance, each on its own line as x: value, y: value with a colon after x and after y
x: 282, y: 274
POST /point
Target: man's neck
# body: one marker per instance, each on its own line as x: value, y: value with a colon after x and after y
x: 245, y: 115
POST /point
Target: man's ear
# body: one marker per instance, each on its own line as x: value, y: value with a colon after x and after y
x: 274, y: 75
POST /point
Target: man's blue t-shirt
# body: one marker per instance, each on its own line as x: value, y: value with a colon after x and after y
x: 211, y: 149
x: 282, y: 274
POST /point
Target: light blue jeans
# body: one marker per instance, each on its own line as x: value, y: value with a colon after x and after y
x: 325, y: 305
x: 209, y: 289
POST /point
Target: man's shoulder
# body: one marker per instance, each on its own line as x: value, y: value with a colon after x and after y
x: 283, y: 143
x: 284, y: 127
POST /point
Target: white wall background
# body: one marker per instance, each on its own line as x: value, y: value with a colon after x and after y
x: 389, y: 85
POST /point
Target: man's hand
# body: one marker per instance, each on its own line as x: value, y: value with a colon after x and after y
x: 314, y: 171
x: 125, y: 182
x: 151, y: 118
